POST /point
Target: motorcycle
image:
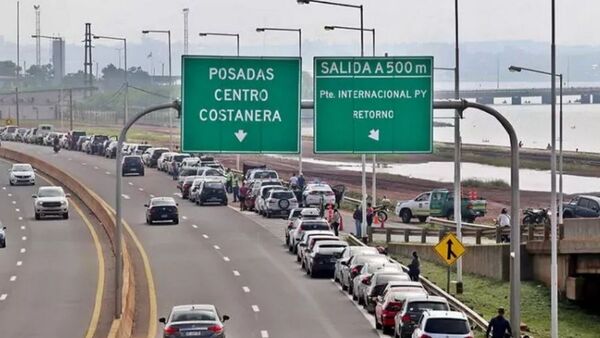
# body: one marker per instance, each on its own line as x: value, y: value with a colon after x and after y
x: 56, y: 148
x: 536, y: 216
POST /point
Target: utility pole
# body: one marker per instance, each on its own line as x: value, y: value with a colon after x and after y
x: 17, y: 104
x: 70, y: 109
x: 18, y: 42
x: 186, y: 12
x: 457, y: 151
x: 38, y: 57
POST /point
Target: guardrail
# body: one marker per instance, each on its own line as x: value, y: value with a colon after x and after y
x: 455, y: 304
x: 123, y: 327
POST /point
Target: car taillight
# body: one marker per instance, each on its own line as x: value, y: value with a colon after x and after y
x: 394, y: 306
x: 215, y: 329
x: 425, y: 336
x: 355, y: 270
x: 171, y: 330
x: 367, y: 280
x: 406, y: 318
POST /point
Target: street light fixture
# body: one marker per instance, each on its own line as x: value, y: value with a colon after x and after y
x: 235, y: 35
x: 124, y: 40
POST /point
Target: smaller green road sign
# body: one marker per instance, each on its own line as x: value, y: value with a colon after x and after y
x: 240, y: 104
x: 373, y: 104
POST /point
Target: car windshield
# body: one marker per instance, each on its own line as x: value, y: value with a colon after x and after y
x: 51, y: 192
x: 214, y: 185
x: 188, y: 172
x: 22, y: 167
x: 261, y: 175
x: 447, y: 326
x: 212, y: 172
x: 186, y: 316
x: 282, y: 195
x: 422, y: 306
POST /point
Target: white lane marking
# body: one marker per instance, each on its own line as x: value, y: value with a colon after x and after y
x: 83, y: 163
x: 3, y: 188
x: 125, y: 196
x: 236, y: 273
x: 20, y: 218
x: 184, y: 217
x: 178, y: 194
x: 246, y: 289
x: 226, y: 259
x: 130, y: 183
x: 14, y: 202
x: 17, y: 210
x: 9, y: 194
x: 141, y: 189
x: 13, y: 278
x: 22, y: 227
x: 19, y: 263
x: 217, y: 247
x: 264, y: 334
x: 70, y: 159
x: 194, y: 226
x: 369, y: 317
x: 23, y: 250
x: 255, y: 308
x: 95, y: 168
x: 205, y: 236
x: 24, y: 238
x: 107, y: 172
x: 3, y: 296
x: 151, y: 196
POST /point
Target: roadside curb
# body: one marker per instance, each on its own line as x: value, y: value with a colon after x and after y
x: 122, y: 327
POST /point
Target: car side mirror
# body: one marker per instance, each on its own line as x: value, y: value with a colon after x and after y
x: 3, y: 228
x: 34, y: 196
x: 343, y: 262
x: 162, y: 320
x: 146, y: 205
x: 225, y: 318
x: 67, y: 195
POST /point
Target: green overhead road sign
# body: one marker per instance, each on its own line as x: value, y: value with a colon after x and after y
x: 373, y: 104
x: 240, y: 104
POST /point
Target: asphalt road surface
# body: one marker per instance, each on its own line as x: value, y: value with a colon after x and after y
x: 221, y: 256
x: 48, y: 271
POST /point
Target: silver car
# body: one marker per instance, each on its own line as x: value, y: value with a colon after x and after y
x: 22, y: 173
x: 201, y: 320
x: 51, y: 200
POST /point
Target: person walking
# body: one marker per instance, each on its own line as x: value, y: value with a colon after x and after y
x: 386, y: 203
x: 414, y: 268
x: 301, y: 182
x: 228, y: 180
x: 243, y: 193
x: 235, y: 186
x: 174, y: 170
x: 370, y: 214
x: 357, y: 216
x: 504, y: 222
x: 499, y: 327
x: 293, y: 181
x: 336, y: 220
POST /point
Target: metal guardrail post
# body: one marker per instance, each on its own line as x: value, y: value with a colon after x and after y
x: 370, y: 234
x: 406, y: 235
x: 388, y: 235
x: 424, y: 236
x: 530, y: 232
x: 478, y: 236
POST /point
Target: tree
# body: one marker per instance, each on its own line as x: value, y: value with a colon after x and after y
x: 74, y: 79
x: 37, y: 76
x: 8, y: 68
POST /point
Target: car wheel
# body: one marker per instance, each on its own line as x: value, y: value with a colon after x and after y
x: 377, y: 325
x: 176, y: 221
x: 350, y: 288
x: 268, y: 214
x: 11, y: 183
x: 344, y: 287
x: 354, y: 296
x: 3, y: 244
x: 312, y: 273
x: 142, y: 173
x: 148, y: 221
x: 406, y: 215
x: 422, y: 219
x: 66, y: 215
x: 37, y: 215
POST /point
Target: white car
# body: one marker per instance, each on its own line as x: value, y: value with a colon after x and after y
x: 161, y: 163
x: 280, y: 203
x: 262, y: 174
x: 22, y: 173
x: 2, y: 236
x: 443, y: 324
x: 304, y: 225
x: 318, y: 194
x: 263, y: 194
x: 212, y: 174
x: 51, y: 200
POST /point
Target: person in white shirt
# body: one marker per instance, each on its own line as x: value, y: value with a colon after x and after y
x: 504, y: 222
x: 293, y: 180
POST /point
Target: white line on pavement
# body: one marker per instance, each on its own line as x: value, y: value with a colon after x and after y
x: 13, y: 278
x: 22, y: 227
x: 178, y: 194
x: 226, y: 259
x: 70, y: 159
x: 95, y: 168
x: 23, y: 250
x: 194, y: 226
x: 236, y: 273
x: 141, y: 189
x: 107, y: 172
x: 125, y: 196
x: 3, y: 188
x: 246, y: 289
x: 17, y: 210
x: 83, y: 163
x: 255, y: 308
x: 205, y: 236
x: 14, y: 202
x: 19, y: 263
x: 9, y: 195
x: 151, y: 196
x: 217, y: 247
x: 24, y: 238
x: 3, y: 296
x: 20, y: 218
x: 184, y: 217
x: 264, y: 334
x: 130, y: 183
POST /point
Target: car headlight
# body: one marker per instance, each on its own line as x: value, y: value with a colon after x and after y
x: 63, y: 202
x: 38, y: 202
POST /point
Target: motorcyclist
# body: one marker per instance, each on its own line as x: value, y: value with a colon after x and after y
x: 55, y: 144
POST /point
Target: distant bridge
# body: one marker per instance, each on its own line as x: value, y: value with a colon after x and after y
x: 486, y: 96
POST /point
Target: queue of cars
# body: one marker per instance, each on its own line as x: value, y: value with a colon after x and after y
x: 400, y: 306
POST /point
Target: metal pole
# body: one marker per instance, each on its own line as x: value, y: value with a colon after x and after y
x: 560, y: 155
x: 457, y: 149
x: 126, y: 83
x: 17, y: 104
x: 71, y: 109
x: 553, y: 230
x: 300, y: 150
x: 119, y: 229
x: 18, y: 41
x: 363, y: 156
x: 171, y: 92
x: 237, y: 156
x: 374, y: 180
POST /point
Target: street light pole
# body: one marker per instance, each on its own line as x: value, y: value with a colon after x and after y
x: 299, y: 31
x: 457, y: 150
x: 560, y: 154
x: 553, y: 230
x: 124, y: 40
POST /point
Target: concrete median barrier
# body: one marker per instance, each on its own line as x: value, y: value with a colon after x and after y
x: 123, y: 327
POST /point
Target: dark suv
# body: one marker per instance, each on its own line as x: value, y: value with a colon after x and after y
x: 212, y: 192
x: 96, y: 146
x: 132, y: 165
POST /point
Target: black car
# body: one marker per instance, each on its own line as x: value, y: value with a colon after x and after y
x: 162, y: 209
x: 74, y: 137
x: 212, y: 192
x: 97, y: 146
x: 132, y: 165
x: 154, y: 155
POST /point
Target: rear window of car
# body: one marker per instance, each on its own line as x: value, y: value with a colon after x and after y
x: 100, y: 138
x: 384, y: 279
x: 179, y: 158
x: 132, y: 160
x: 422, y: 306
x: 212, y: 172
x: 184, y: 316
x: 330, y: 249
x: 314, y: 226
x: 188, y: 172
x: 447, y: 326
x: 282, y: 195
x: 370, y: 259
x: 214, y: 185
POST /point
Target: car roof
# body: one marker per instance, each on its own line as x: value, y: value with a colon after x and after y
x: 595, y: 198
x: 332, y: 242
x: 400, y: 283
x: 192, y: 307
x: 444, y: 314
x: 50, y: 187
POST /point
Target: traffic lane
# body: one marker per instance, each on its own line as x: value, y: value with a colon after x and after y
x: 316, y: 303
x: 56, y: 280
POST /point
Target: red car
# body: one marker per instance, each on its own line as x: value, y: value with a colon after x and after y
x: 387, y: 307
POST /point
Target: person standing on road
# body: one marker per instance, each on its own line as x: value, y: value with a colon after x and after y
x: 370, y: 214
x: 499, y: 326
x: 386, y: 203
x: 301, y: 182
x: 357, y: 216
x: 242, y: 196
x: 414, y: 268
x: 293, y: 181
x: 235, y: 186
x: 174, y: 170
x: 504, y: 222
x: 336, y: 220
x: 228, y: 180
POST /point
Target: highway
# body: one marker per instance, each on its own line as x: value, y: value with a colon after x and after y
x: 49, y: 271
x: 219, y: 255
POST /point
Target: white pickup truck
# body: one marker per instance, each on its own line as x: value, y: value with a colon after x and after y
x: 439, y: 203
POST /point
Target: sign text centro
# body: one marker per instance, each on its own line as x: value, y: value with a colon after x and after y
x: 240, y: 105
x: 373, y: 104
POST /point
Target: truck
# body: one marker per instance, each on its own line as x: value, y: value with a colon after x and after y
x: 582, y: 206
x: 439, y: 203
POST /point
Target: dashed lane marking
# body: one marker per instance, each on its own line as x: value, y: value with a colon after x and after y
x: 264, y: 334
x: 226, y: 259
x: 9, y: 194
x: 22, y: 227
x: 24, y: 238
x: 20, y: 218
x: 83, y: 163
x: 19, y: 263
x: 17, y: 210
x: 194, y: 226
x: 246, y: 289
x: 205, y: 236
x: 125, y: 196
x: 107, y: 172
x: 130, y: 183
x: 95, y: 168
x: 217, y: 247
x: 151, y: 196
x: 14, y: 202
x: 13, y: 278
x: 255, y: 308
x: 3, y: 296
x: 23, y: 250
x: 184, y: 217
x: 236, y: 273
x: 141, y: 189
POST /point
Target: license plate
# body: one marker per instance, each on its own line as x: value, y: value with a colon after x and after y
x: 164, y: 216
x: 193, y: 333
